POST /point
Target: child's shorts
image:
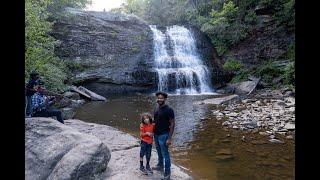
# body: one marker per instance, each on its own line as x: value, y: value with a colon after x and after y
x: 145, y: 149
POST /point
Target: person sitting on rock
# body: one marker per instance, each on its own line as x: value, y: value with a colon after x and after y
x: 34, y: 77
x: 146, y: 134
x: 41, y: 104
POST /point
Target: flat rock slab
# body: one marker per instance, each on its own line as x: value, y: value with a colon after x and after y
x: 125, y: 150
x: 125, y: 165
x: 217, y: 101
x: 115, y: 139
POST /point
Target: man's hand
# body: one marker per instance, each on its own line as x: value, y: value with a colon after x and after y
x: 168, y: 142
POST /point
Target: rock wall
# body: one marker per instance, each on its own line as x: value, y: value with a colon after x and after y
x: 114, y: 52
x: 109, y: 48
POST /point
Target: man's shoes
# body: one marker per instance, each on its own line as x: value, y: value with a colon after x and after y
x: 143, y: 170
x: 166, y: 175
x: 149, y: 171
x: 158, y: 168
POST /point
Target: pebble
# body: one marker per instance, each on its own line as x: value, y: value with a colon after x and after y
x: 274, y: 115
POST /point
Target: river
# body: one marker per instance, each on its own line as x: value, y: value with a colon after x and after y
x: 200, y: 144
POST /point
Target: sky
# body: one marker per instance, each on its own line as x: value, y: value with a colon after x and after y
x: 99, y: 5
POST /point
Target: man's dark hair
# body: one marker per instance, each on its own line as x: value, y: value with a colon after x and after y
x: 165, y: 95
x: 33, y: 74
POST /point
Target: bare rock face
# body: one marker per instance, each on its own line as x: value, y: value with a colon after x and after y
x: 106, y: 47
x: 56, y: 151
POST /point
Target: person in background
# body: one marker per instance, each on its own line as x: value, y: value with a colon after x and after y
x: 41, y: 104
x: 34, y: 77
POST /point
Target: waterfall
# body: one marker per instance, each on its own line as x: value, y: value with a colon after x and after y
x: 180, y: 69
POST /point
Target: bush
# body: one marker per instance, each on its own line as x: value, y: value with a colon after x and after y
x: 291, y: 52
x: 241, y: 75
x: 232, y: 65
x: 289, y: 75
x: 236, y: 68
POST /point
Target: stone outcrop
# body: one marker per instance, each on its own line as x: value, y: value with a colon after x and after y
x: 80, y: 150
x: 107, y: 47
x: 56, y: 151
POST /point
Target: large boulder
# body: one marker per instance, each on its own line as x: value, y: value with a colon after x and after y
x: 56, y: 151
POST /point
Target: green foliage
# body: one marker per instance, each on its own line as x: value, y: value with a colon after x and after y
x: 291, y: 52
x: 289, y: 74
x: 39, y: 45
x: 251, y: 17
x: 268, y: 72
x: 237, y: 68
x: 241, y: 75
x: 232, y: 65
x: 74, y: 66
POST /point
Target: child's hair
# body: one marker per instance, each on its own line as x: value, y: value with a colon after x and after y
x: 144, y: 115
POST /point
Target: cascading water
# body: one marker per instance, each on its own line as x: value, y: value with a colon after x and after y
x: 181, y: 71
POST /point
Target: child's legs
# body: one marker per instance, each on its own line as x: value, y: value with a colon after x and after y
x: 148, y: 152
x: 143, y: 146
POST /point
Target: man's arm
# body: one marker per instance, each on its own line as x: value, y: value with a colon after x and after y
x: 172, y: 123
x: 171, y: 127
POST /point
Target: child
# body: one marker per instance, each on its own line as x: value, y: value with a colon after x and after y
x: 146, y: 134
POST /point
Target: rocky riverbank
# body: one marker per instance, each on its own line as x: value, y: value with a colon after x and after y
x: 80, y: 150
x: 269, y: 112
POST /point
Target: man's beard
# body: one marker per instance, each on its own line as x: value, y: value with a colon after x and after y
x: 160, y: 103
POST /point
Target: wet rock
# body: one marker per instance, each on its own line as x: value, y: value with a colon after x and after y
x: 276, y: 141
x: 224, y: 157
x: 71, y: 95
x: 226, y: 141
x: 289, y: 137
x: 68, y: 113
x: 224, y: 152
x: 77, y: 103
x: 64, y: 102
x: 220, y: 100
x: 263, y: 133
x: 282, y: 133
x: 226, y: 123
x: 272, y: 136
x: 258, y: 142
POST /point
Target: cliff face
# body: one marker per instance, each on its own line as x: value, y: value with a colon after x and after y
x: 110, y: 48
x: 113, y: 53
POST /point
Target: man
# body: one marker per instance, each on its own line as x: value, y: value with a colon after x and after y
x: 41, y: 103
x: 34, y: 77
x: 164, y: 127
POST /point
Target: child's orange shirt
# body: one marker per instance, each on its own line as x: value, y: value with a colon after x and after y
x: 147, y: 128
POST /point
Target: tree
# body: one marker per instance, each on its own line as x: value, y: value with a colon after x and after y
x: 39, y: 45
